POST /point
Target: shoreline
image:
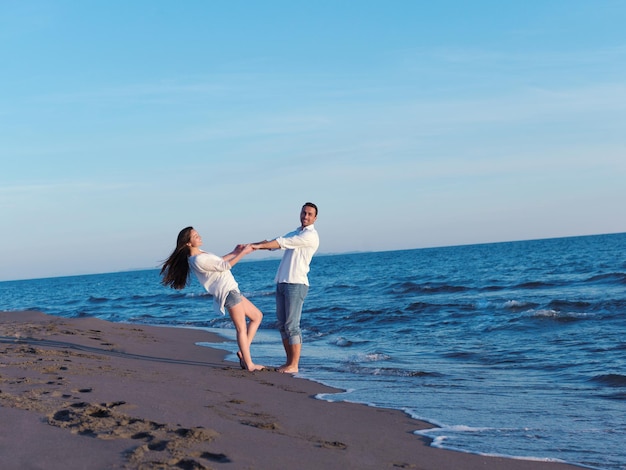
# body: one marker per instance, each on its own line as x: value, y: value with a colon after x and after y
x: 78, y: 391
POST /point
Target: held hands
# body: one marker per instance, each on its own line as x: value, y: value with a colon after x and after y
x: 239, y: 252
x: 244, y: 249
x: 247, y: 249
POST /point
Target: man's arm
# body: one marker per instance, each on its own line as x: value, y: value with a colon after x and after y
x: 266, y: 245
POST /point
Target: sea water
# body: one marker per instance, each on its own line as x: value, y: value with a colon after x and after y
x: 515, y: 349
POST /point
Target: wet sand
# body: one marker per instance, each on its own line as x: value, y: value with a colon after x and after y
x: 85, y: 393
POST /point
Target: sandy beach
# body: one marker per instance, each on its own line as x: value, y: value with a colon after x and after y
x: 85, y: 393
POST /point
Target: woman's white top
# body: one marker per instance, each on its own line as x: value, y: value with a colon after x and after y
x: 214, y: 274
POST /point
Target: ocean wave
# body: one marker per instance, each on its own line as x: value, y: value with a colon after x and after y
x: 492, y: 288
x: 427, y: 307
x: 342, y: 342
x: 160, y: 296
x: 375, y: 357
x: 616, y: 306
x: 534, y: 285
x: 618, y: 278
x: 421, y: 306
x: 192, y: 295
x: 391, y: 372
x: 615, y: 396
x: 610, y: 380
x: 343, y: 286
x: 369, y: 315
x: 454, y: 428
x: 558, y: 315
x: 252, y: 295
x: 409, y: 287
x: 569, y: 305
x: 459, y: 355
x: 326, y: 309
x: 369, y: 357
x: 517, y: 305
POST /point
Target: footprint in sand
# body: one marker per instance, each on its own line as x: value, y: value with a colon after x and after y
x: 162, y: 443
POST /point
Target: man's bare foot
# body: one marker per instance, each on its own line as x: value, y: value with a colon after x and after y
x: 255, y: 367
x: 288, y: 369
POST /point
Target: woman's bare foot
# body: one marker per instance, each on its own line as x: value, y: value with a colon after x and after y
x: 288, y: 369
x: 243, y: 365
x: 241, y: 361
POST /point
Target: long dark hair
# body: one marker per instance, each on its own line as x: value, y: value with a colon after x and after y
x: 175, y: 269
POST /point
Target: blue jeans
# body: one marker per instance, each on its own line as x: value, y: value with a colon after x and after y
x: 289, y: 302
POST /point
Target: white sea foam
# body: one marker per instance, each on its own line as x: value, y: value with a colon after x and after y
x: 439, y: 441
x: 512, y: 304
x: 342, y: 342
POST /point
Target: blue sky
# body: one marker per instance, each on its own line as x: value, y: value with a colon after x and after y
x: 410, y: 123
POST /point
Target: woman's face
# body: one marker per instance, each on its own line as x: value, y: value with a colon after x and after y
x: 195, y: 240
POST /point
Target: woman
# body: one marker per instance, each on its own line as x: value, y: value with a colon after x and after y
x: 214, y: 274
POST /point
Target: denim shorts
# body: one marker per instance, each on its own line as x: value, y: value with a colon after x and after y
x: 232, y: 299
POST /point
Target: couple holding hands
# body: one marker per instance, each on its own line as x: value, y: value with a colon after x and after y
x: 213, y: 272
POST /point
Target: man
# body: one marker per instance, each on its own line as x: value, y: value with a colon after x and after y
x: 292, y: 282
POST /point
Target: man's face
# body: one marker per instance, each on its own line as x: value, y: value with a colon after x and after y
x: 307, y: 216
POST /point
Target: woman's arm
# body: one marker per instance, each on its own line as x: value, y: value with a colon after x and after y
x: 239, y: 252
x: 232, y: 254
